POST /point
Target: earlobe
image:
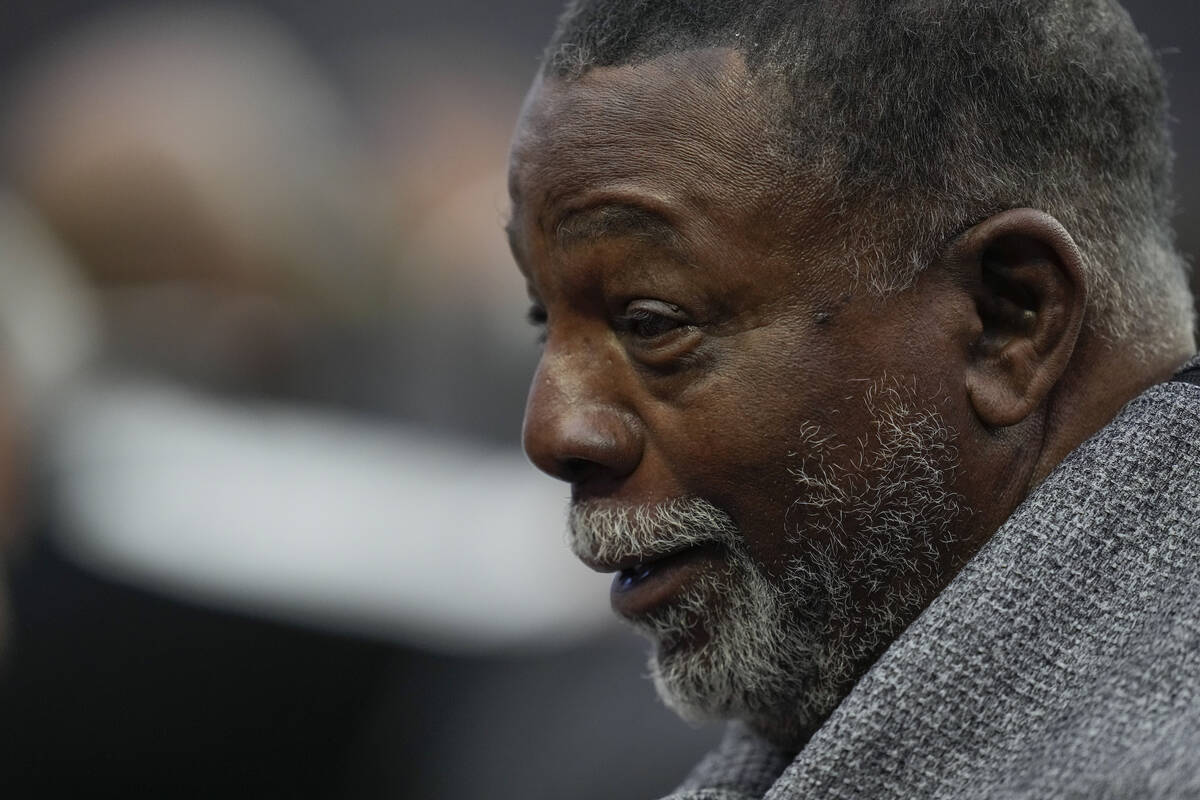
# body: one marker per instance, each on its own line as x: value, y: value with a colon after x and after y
x: 1026, y: 277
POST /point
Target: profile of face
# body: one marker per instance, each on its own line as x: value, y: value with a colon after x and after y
x: 765, y: 453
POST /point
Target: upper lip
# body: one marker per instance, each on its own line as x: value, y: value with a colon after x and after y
x: 623, y: 563
x: 629, y: 561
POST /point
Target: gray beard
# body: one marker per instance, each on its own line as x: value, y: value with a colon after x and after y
x: 780, y: 655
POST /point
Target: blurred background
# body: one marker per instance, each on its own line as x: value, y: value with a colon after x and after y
x: 262, y: 368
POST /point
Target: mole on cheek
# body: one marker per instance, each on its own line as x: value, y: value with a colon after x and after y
x: 824, y: 316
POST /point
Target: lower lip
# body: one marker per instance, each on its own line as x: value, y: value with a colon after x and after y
x: 660, y: 582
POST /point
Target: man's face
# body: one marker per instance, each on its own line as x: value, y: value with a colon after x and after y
x: 758, y: 447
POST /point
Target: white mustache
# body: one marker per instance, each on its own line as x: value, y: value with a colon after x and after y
x: 604, y: 533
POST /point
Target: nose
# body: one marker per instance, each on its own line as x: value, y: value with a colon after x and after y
x: 574, y: 428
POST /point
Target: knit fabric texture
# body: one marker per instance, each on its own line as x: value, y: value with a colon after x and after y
x: 1063, y: 661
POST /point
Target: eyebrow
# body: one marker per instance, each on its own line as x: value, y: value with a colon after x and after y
x: 614, y: 220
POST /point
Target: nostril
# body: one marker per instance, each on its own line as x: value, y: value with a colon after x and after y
x: 576, y: 469
x: 580, y: 443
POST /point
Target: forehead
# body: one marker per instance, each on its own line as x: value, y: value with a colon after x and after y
x: 688, y: 131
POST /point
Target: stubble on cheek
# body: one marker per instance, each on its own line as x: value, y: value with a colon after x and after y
x: 870, y: 515
x: 869, y: 522
x: 873, y: 520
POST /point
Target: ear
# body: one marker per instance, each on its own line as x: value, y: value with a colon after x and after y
x: 1026, y: 277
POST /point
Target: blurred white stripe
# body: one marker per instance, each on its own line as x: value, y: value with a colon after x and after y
x: 379, y: 530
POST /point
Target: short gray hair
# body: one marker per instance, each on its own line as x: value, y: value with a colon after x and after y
x: 927, y: 116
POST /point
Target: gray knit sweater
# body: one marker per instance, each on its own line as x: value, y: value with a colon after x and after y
x: 1063, y: 661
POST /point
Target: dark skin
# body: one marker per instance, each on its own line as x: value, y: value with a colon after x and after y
x: 696, y: 315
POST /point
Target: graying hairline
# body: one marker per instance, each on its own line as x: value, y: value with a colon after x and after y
x: 1145, y: 306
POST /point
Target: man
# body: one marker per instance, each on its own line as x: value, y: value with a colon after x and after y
x: 858, y: 320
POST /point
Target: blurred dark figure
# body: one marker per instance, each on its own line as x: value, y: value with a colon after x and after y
x: 136, y: 144
x: 45, y: 335
x: 232, y: 587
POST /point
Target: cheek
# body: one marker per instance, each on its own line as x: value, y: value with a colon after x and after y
x: 741, y: 431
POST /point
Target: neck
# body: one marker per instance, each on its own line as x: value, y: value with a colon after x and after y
x: 1101, y: 379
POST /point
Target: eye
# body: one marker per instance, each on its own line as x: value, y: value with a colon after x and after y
x: 660, y: 334
x: 650, y: 319
x: 646, y: 324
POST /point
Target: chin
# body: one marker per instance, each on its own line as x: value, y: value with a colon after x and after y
x: 785, y: 710
x: 734, y: 648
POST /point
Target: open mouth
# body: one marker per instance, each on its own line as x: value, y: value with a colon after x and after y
x: 629, y: 578
x: 642, y: 587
